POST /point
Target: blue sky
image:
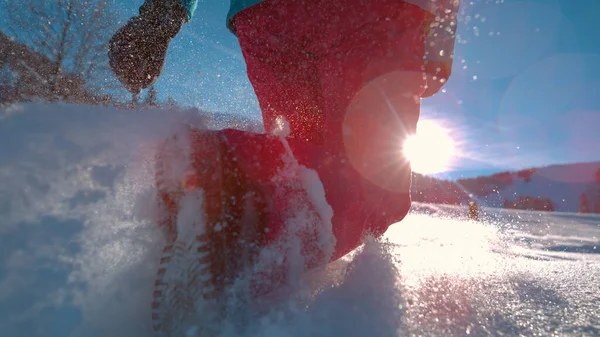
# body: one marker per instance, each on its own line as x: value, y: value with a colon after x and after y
x: 523, y: 91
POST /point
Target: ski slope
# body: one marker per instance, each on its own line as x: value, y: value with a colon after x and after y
x: 78, y: 254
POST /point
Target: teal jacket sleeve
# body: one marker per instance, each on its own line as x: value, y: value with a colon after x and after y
x: 189, y: 6
x: 235, y: 7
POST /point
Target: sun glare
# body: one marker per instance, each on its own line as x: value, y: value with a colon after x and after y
x: 431, y: 150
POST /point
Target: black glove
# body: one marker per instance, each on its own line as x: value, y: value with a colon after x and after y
x: 138, y: 50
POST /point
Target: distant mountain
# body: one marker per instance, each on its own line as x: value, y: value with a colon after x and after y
x: 564, y: 188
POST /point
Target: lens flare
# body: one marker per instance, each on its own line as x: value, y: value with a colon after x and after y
x: 431, y: 149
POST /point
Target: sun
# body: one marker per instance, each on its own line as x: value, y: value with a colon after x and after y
x: 431, y: 150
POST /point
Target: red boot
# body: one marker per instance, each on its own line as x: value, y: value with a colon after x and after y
x: 226, y: 195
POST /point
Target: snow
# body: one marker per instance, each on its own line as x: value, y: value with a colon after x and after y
x: 78, y: 254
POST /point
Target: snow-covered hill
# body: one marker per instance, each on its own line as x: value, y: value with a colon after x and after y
x: 78, y: 256
x: 563, y: 185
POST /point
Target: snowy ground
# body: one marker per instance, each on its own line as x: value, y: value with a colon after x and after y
x: 77, y: 259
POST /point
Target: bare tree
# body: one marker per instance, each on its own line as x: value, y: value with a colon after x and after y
x: 151, y: 99
x: 72, y: 35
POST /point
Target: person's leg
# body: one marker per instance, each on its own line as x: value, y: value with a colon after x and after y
x: 361, y: 108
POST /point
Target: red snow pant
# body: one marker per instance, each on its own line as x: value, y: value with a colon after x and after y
x: 347, y: 76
